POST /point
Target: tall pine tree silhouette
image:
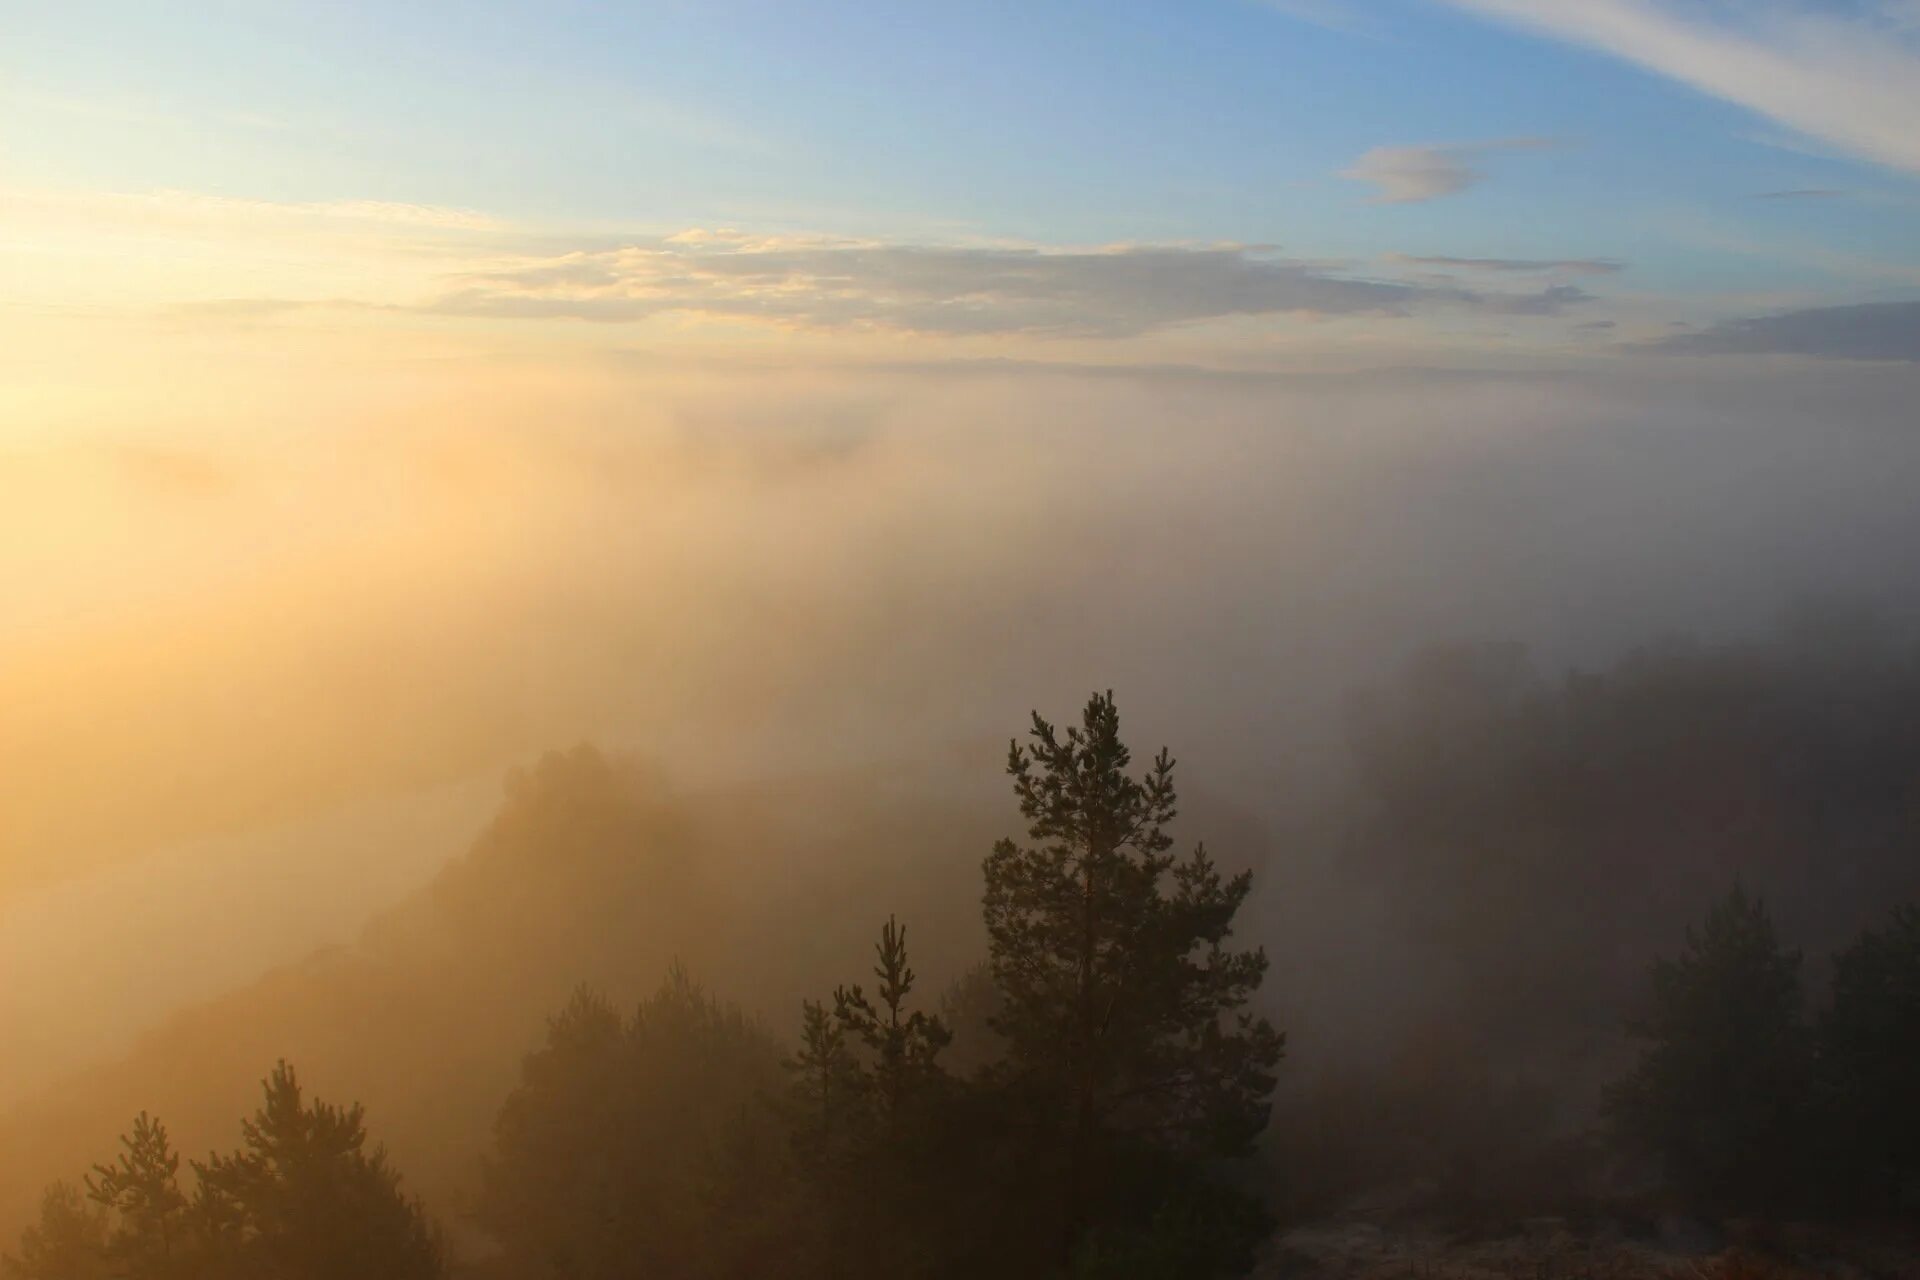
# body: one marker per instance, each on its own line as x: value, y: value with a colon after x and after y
x: 1124, y: 1010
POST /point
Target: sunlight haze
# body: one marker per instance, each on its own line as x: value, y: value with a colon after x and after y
x: 734, y: 418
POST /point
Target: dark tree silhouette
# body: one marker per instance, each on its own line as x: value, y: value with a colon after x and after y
x: 904, y: 1045
x: 1721, y: 1091
x: 609, y: 1155
x: 304, y: 1199
x: 1124, y: 1010
x: 898, y: 1161
x: 142, y: 1190
x: 828, y: 1084
x: 1869, y: 1054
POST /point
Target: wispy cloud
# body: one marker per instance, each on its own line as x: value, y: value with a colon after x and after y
x: 1413, y: 174
x: 1823, y: 255
x: 1868, y: 331
x: 1550, y: 301
x: 834, y: 284
x: 1848, y: 75
x: 307, y: 264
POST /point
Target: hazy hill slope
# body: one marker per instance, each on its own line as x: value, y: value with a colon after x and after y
x: 590, y: 872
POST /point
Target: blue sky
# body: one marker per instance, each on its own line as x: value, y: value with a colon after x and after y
x: 1076, y: 123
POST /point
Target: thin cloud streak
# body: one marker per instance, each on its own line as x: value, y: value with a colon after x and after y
x: 1851, y: 80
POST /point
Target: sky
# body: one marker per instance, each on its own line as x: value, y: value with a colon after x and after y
x: 1227, y: 181
x: 392, y: 392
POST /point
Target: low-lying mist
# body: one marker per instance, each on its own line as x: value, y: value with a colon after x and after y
x: 261, y: 692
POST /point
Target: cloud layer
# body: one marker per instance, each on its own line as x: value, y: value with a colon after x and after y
x: 952, y: 290
x: 1868, y: 331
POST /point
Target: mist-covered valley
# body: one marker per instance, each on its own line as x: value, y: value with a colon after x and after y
x: 1108, y: 640
x: 1496, y: 683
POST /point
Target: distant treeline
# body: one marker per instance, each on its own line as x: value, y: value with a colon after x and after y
x: 1541, y: 841
x: 1549, y: 836
x: 1748, y: 1106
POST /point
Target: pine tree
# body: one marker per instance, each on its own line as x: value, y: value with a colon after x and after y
x: 904, y: 1045
x: 552, y: 1186
x: 1869, y: 1048
x: 905, y: 1147
x: 827, y: 1083
x: 1123, y: 1007
x: 142, y: 1189
x: 1721, y: 1092
x: 306, y: 1199
x: 302, y: 1200
x: 618, y: 1152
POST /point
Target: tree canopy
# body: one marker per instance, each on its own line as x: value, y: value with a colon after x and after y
x: 303, y: 1198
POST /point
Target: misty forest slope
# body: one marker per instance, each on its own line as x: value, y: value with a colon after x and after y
x: 1457, y: 930
x: 592, y: 871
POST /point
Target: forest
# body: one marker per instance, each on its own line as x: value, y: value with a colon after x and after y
x: 1664, y: 913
